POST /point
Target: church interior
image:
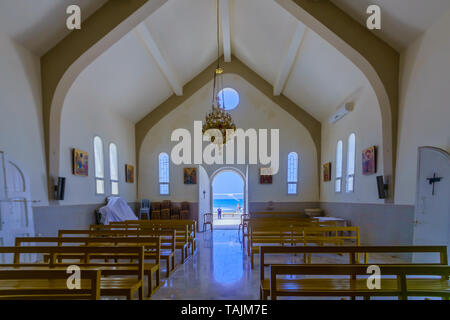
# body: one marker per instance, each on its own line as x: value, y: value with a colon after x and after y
x: 224, y: 149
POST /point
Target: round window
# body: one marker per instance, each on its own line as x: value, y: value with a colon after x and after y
x: 229, y: 98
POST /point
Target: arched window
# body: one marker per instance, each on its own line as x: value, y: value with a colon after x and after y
x: 292, y: 173
x: 114, y: 169
x: 99, y: 166
x: 338, y: 181
x: 163, y: 174
x: 350, y: 179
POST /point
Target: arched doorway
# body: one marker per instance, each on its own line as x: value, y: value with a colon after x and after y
x: 228, y: 194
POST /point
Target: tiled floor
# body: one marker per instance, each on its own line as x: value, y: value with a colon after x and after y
x: 221, y: 270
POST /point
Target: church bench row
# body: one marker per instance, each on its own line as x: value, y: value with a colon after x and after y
x: 283, y: 221
x: 110, y: 285
x: 186, y: 229
x: 353, y: 257
x: 408, y: 281
x: 294, y: 236
x: 192, y: 227
x: 168, y: 240
x: 47, y: 284
x: 181, y: 239
x: 151, y: 245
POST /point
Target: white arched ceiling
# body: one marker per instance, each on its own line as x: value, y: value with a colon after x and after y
x: 128, y: 75
x: 128, y: 78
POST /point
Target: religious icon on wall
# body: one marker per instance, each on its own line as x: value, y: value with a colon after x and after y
x: 190, y: 175
x: 129, y: 173
x: 369, y: 161
x: 80, y: 163
x: 265, y: 176
x: 327, y: 172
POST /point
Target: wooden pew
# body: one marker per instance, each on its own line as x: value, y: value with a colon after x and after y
x: 168, y: 238
x: 151, y: 245
x: 276, y: 214
x: 47, y: 284
x: 181, y: 240
x: 352, y: 252
x: 422, y: 285
x: 109, y: 286
x: 267, y: 222
x: 186, y: 235
x: 294, y: 235
x: 192, y: 228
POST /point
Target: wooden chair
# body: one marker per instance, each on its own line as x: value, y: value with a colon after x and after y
x: 156, y: 210
x: 185, y: 211
x: 48, y: 284
x: 243, y: 225
x: 207, y: 219
x: 165, y: 210
x: 144, y: 209
x: 175, y: 213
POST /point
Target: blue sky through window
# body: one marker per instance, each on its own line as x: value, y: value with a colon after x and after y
x: 231, y: 98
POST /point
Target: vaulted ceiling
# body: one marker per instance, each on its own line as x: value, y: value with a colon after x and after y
x: 178, y: 41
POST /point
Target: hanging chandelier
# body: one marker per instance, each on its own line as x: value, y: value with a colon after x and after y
x: 218, y: 118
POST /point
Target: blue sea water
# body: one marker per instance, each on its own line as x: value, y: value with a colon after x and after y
x: 227, y: 205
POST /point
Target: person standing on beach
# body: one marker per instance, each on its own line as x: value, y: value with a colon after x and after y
x: 219, y: 213
x: 238, y: 208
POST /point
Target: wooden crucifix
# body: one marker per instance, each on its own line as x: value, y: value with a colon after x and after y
x: 433, y: 180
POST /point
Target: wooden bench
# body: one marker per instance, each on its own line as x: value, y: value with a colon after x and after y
x: 352, y: 252
x: 109, y: 285
x: 181, y: 239
x: 185, y: 237
x: 167, y: 237
x: 151, y: 245
x: 294, y: 235
x: 267, y: 222
x: 47, y: 284
x: 402, y: 286
x: 192, y: 228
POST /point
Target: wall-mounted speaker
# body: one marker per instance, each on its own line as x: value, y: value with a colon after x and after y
x: 60, y: 188
x: 382, y: 187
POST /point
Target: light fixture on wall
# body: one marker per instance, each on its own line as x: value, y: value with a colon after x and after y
x: 218, y: 118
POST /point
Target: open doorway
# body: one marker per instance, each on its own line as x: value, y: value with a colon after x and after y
x: 228, y: 198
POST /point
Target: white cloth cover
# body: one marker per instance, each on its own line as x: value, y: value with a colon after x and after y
x: 117, y: 209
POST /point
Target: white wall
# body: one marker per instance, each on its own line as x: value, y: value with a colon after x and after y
x: 365, y: 122
x: 84, y: 116
x: 424, y: 117
x: 204, y: 202
x: 254, y: 111
x: 21, y: 131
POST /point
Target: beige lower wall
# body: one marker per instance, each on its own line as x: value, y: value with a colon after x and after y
x: 49, y: 219
x: 380, y: 224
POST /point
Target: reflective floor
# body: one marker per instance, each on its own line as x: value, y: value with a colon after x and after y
x: 221, y: 270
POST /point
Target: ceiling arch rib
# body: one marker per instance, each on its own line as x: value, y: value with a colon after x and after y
x: 166, y: 68
x: 226, y: 29
x: 289, y: 61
